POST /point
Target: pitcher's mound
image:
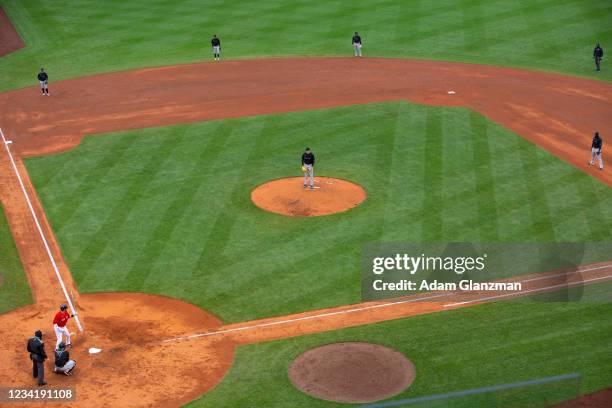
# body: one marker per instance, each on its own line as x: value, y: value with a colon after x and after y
x: 352, y: 372
x: 288, y: 196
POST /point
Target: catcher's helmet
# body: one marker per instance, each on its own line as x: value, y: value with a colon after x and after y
x: 61, y: 346
x: 63, y: 306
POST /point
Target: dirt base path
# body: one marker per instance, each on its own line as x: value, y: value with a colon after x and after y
x: 42, y: 279
x: 316, y: 321
x: 9, y: 37
x: 558, y: 113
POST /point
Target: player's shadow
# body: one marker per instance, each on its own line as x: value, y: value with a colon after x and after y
x: 562, y: 262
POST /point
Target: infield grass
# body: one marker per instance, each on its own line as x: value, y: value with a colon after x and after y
x: 455, y: 350
x: 79, y: 38
x: 167, y: 210
x: 14, y: 288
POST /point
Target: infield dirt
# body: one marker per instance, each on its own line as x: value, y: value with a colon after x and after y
x: 557, y: 113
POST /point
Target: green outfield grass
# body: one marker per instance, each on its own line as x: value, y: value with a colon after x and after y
x: 86, y: 37
x: 14, y: 289
x: 167, y: 210
x: 452, y: 351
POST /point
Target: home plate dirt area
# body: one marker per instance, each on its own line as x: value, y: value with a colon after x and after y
x: 147, y: 356
x: 129, y: 371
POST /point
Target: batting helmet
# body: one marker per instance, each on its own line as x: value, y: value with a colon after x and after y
x: 63, y: 306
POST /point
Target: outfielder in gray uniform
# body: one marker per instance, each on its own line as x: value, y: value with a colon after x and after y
x: 308, y: 161
x: 356, y: 41
x: 596, y: 151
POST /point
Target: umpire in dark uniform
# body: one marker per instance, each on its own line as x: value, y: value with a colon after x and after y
x: 36, y: 347
x: 598, y: 55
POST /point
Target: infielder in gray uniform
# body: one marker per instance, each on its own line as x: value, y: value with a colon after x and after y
x: 596, y: 151
x: 308, y: 161
x: 43, y: 79
x: 216, y: 46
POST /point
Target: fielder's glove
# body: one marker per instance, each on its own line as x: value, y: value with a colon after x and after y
x: 304, y: 169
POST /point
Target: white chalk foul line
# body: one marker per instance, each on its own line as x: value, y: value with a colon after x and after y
x: 40, y: 231
x: 298, y: 319
x: 568, y: 273
x: 359, y: 309
x: 566, y: 285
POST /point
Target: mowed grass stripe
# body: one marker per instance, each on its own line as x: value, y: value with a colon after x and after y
x: 193, y: 172
x: 306, y: 289
x: 599, y: 223
x: 428, y: 174
x: 214, y: 247
x: 509, y: 178
x: 433, y: 204
x: 184, y: 194
x: 536, y: 192
x: 99, y: 168
x: 122, y: 209
x: 160, y: 196
x: 459, y: 201
x: 384, y: 155
x: 406, y: 192
x: 485, y: 183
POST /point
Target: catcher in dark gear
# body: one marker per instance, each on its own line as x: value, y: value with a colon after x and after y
x: 63, y: 363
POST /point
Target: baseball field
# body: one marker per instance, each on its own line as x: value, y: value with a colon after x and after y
x: 133, y: 193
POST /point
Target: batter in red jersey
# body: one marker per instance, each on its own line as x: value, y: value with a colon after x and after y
x: 59, y: 325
